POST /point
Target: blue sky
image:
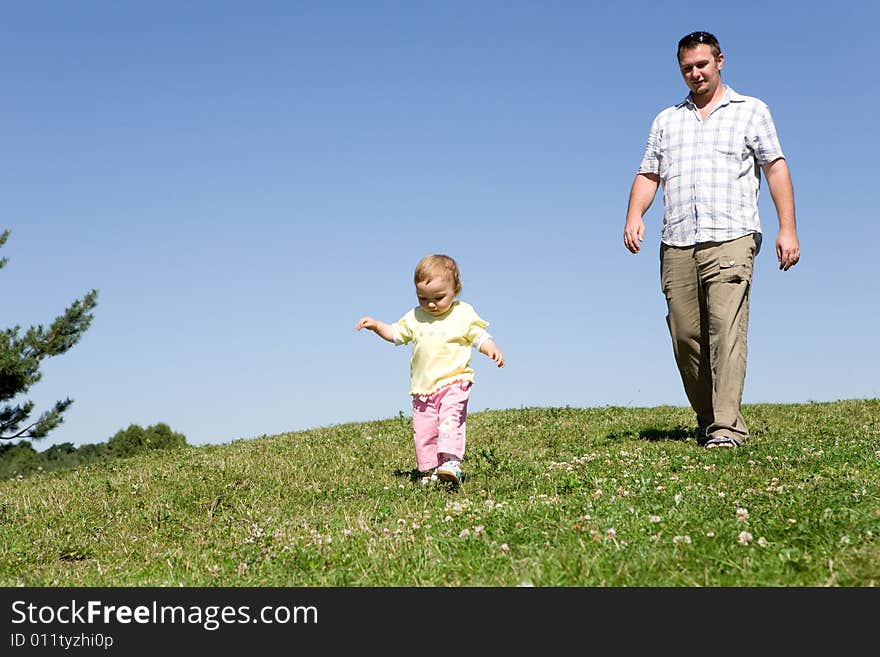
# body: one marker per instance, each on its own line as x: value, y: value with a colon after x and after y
x: 242, y: 181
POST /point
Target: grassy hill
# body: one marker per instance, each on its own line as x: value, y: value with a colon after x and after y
x: 554, y: 497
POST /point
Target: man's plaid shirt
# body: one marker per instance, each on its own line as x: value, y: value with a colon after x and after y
x: 710, y: 169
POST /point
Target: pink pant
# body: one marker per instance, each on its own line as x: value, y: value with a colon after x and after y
x: 439, y: 423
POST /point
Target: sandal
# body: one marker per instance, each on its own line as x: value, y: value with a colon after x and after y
x: 721, y: 441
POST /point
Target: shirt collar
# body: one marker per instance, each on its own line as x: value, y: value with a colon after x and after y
x: 730, y: 96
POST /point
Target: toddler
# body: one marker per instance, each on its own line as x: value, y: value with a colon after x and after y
x: 442, y: 331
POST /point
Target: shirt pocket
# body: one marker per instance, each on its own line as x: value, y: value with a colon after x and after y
x: 731, y: 145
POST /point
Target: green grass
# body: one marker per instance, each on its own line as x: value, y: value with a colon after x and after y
x: 554, y: 497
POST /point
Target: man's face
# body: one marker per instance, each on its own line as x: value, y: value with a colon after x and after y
x: 700, y: 69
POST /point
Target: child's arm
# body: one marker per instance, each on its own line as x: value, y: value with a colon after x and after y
x: 489, y: 348
x: 381, y: 329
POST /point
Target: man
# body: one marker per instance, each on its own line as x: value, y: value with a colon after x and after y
x: 708, y: 153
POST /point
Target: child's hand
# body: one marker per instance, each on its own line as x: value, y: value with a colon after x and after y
x: 492, y: 351
x: 381, y: 329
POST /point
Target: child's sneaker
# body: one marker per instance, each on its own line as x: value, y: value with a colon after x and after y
x: 450, y: 471
x: 430, y: 477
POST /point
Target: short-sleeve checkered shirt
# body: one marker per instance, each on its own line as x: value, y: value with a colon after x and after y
x: 710, y: 168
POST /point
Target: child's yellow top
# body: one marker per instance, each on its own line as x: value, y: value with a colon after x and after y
x: 441, y: 345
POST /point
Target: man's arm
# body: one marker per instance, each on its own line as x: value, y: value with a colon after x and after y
x: 778, y: 177
x: 640, y: 198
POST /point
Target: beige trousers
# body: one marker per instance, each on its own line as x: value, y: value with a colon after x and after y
x: 707, y: 295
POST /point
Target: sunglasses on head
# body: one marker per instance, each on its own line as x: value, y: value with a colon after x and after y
x: 698, y: 37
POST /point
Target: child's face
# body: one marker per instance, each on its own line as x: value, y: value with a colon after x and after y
x: 436, y: 296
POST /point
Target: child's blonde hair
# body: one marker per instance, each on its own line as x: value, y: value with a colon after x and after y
x: 434, y: 266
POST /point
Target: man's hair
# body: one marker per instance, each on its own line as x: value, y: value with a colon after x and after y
x: 694, y: 39
x: 434, y: 266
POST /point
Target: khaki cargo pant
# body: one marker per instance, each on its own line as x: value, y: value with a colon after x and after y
x: 707, y: 295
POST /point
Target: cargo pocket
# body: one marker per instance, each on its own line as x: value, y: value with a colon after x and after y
x: 731, y: 270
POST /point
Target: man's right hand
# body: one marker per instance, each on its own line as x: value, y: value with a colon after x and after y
x: 634, y: 234
x: 640, y: 198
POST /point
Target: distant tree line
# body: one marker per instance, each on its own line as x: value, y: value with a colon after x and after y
x: 21, y: 459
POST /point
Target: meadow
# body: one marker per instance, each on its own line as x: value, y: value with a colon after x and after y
x: 554, y: 497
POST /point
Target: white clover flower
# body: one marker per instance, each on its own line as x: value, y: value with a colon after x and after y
x: 504, y: 547
x: 464, y: 533
x: 763, y: 542
x: 744, y: 538
x: 681, y: 540
x: 654, y: 518
x: 677, y: 498
x: 742, y: 514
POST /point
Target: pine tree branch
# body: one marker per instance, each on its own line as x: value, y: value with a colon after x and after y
x: 20, y: 358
